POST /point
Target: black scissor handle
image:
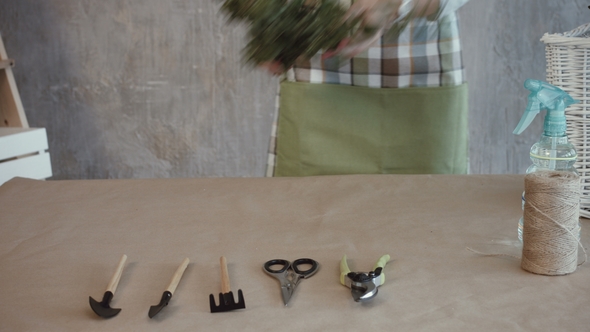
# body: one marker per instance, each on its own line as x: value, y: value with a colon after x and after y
x: 268, y: 265
x: 305, y: 261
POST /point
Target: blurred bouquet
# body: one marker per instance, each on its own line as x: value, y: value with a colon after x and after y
x: 282, y: 32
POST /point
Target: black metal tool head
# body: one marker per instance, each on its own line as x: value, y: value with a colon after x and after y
x: 227, y: 302
x: 363, y: 291
x: 364, y: 286
x: 103, y: 308
x: 163, y: 302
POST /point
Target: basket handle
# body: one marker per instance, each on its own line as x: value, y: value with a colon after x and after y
x: 581, y: 31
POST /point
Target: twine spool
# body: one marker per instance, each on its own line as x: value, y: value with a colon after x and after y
x: 551, y: 222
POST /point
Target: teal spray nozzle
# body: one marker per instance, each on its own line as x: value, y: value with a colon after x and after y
x: 546, y: 97
x: 553, y: 152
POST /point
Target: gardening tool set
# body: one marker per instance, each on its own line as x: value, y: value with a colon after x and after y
x: 363, y: 285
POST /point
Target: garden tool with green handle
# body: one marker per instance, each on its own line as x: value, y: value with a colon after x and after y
x: 363, y: 285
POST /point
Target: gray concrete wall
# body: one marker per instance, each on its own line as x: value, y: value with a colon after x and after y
x: 501, y: 50
x: 151, y: 88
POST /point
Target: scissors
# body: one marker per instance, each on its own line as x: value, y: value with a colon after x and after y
x: 290, y: 274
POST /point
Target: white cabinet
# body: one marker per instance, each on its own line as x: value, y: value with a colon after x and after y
x: 24, y: 153
x: 23, y: 150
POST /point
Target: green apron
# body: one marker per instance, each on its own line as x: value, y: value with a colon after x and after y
x: 326, y: 129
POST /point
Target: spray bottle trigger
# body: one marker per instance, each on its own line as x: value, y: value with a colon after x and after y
x: 533, y: 108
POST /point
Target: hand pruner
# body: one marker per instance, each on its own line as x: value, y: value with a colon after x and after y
x: 363, y: 285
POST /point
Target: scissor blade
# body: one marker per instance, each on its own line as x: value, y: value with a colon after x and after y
x: 286, y: 292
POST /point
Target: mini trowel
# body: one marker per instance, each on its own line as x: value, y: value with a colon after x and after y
x: 103, y: 308
x: 167, y: 295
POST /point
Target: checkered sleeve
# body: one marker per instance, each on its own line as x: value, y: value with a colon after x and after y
x: 426, y: 53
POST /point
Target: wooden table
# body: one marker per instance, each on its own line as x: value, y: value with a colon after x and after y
x: 61, y: 241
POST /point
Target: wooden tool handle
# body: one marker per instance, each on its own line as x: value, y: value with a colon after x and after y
x: 177, y: 276
x: 224, y: 276
x: 112, y: 286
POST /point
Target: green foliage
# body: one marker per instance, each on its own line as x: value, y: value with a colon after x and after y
x: 285, y: 30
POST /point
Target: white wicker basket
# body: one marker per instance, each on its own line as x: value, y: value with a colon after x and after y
x: 568, y: 67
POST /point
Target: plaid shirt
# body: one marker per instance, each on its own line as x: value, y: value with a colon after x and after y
x: 426, y: 53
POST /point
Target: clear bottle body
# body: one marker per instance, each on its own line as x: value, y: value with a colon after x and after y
x: 550, y: 153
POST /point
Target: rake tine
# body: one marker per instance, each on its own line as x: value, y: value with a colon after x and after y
x: 227, y: 302
x: 226, y: 297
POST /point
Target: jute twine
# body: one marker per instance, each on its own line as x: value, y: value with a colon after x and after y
x: 551, y: 223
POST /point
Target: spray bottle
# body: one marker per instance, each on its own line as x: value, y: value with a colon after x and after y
x: 553, y: 151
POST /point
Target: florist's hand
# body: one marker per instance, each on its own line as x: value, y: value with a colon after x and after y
x: 374, y: 13
x: 276, y: 67
x: 375, y: 17
x: 273, y: 67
